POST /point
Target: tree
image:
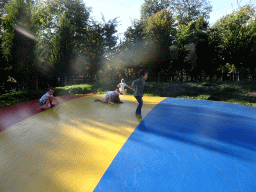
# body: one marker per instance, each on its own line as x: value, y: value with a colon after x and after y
x: 214, y: 56
x: 190, y: 10
x: 199, y: 60
x: 62, y: 47
x: 18, y: 43
x: 237, y: 33
x: 135, y: 33
x: 98, y: 45
x: 78, y: 15
x: 160, y: 31
x: 109, y: 35
x: 151, y: 7
x: 3, y: 66
x: 207, y: 59
x: 183, y: 35
x: 134, y: 51
x: 50, y: 15
x: 147, y: 43
x: 93, y: 48
x: 179, y: 62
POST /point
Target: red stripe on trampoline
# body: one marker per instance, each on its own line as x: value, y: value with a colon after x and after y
x: 12, y: 114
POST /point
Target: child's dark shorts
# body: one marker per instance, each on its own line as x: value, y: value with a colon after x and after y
x: 43, y: 102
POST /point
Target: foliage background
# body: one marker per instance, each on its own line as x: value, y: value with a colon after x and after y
x: 52, y: 42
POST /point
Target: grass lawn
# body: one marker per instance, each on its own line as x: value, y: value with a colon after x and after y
x: 242, y: 92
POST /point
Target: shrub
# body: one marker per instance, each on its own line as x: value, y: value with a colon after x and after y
x: 205, y: 84
x: 215, y: 84
x: 228, y: 88
x: 203, y: 97
x: 209, y: 84
x: 215, y: 98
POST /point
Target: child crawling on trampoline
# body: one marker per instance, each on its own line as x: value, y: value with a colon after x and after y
x: 47, y: 98
x: 111, y: 97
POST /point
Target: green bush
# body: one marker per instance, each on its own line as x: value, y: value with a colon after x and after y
x: 228, y: 88
x: 209, y: 84
x: 203, y: 97
x: 60, y: 91
x: 215, y: 98
x: 205, y: 84
x: 215, y: 84
x: 74, y: 89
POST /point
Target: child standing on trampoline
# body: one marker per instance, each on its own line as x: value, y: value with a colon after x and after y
x: 47, y: 98
x: 122, y: 86
x: 138, y: 87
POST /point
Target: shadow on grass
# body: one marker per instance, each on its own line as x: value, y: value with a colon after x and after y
x: 214, y: 91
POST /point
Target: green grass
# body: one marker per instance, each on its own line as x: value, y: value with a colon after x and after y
x: 228, y: 88
x: 233, y: 92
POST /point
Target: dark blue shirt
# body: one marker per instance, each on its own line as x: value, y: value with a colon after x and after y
x: 138, y: 85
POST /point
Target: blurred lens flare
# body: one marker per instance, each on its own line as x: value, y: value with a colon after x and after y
x: 25, y: 32
x: 79, y: 64
x: 44, y: 65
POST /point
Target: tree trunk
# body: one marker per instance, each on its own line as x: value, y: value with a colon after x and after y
x: 36, y: 82
x: 192, y: 76
x: 66, y: 80
x: 253, y: 74
x: 210, y: 77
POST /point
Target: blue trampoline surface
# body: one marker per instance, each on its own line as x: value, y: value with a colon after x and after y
x: 188, y: 145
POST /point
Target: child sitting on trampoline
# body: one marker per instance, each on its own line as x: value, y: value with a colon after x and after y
x: 47, y: 98
x: 111, y: 97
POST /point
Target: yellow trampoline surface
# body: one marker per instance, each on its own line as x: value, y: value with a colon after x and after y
x: 68, y: 147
